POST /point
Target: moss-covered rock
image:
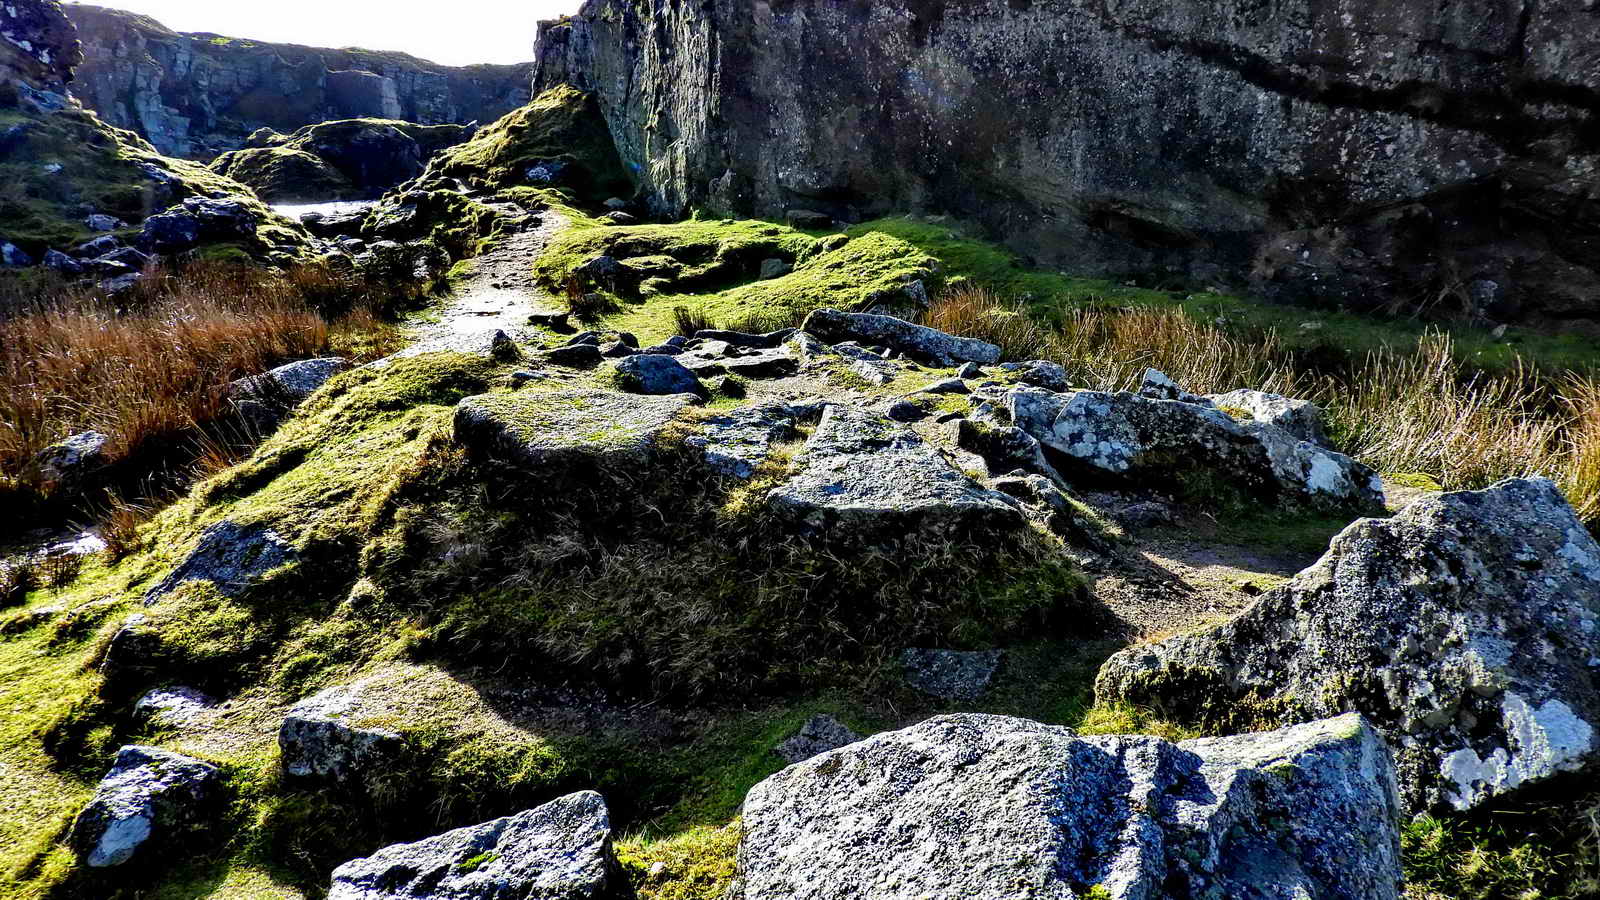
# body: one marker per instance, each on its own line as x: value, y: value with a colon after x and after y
x: 561, y: 132
x: 285, y: 174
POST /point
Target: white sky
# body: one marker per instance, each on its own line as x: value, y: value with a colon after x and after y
x: 455, y: 32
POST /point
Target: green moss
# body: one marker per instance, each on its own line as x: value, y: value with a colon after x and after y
x: 709, y: 269
x: 1416, y: 480
x: 561, y: 124
x: 285, y: 174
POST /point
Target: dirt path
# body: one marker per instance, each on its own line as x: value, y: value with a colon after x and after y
x: 498, y: 295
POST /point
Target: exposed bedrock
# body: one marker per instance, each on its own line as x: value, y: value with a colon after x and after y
x: 197, y: 95
x: 1368, y: 152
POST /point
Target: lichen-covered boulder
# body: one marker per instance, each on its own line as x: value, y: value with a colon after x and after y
x: 558, y: 430
x: 558, y: 851
x: 230, y: 556
x: 150, y: 799
x: 916, y: 341
x: 1301, y: 418
x: 1466, y: 628
x: 322, y: 738
x: 988, y: 806
x: 1130, y: 438
x: 861, y: 475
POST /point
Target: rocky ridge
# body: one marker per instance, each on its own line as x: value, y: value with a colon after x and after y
x: 198, y: 95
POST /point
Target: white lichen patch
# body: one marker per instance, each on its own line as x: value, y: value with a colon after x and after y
x: 1545, y: 741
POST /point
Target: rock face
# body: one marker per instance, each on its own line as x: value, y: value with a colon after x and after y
x: 38, y: 47
x: 1195, y: 445
x: 558, y: 851
x: 1467, y: 629
x: 862, y: 475
x: 197, y: 95
x: 150, y: 798
x: 1356, y: 151
x: 988, y: 806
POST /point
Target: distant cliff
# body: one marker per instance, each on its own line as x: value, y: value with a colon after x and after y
x: 197, y: 95
x: 1399, y: 153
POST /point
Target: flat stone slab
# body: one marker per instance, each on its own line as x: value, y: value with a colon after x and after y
x: 558, y: 851
x: 916, y: 341
x: 538, y: 429
x: 736, y: 443
x: 860, y: 471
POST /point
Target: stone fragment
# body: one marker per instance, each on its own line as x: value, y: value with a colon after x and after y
x: 819, y: 735
x: 951, y: 674
x: 70, y: 464
x: 917, y: 341
x: 657, y: 375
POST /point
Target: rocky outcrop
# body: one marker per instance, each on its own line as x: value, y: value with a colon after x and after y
x: 558, y: 851
x: 38, y: 49
x: 560, y: 433
x: 349, y: 159
x: 1467, y: 629
x: 1196, y: 448
x: 197, y: 95
x: 1360, y: 152
x: 988, y: 806
x: 151, y: 798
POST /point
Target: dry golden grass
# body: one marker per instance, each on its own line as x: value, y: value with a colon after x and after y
x: 1417, y: 410
x: 148, y: 370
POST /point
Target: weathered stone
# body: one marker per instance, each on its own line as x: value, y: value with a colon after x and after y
x: 860, y: 473
x: 556, y: 430
x: 986, y: 806
x: 951, y: 674
x: 1300, y: 418
x: 98, y: 247
x: 1158, y: 385
x: 1466, y: 628
x: 288, y: 385
x: 655, y: 374
x: 69, y: 465
x: 737, y: 442
x: 906, y: 412
x: 503, y: 348
x: 558, y: 851
x: 150, y: 800
x: 819, y: 735
x: 947, y: 386
x: 774, y: 268
x: 577, y: 356
x: 1130, y: 438
x: 66, y: 265
x: 324, y: 738
x: 173, y: 707
x: 808, y: 219
x: 229, y: 556
x: 917, y: 341
x: 768, y: 341
x: 1039, y: 373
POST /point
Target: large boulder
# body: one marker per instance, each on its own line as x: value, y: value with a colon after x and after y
x: 861, y: 474
x: 151, y: 799
x: 558, y: 851
x: 987, y: 806
x: 1467, y: 629
x: 1195, y: 447
x: 916, y: 341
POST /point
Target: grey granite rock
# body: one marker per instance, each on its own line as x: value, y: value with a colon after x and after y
x: 917, y: 341
x: 951, y: 674
x: 1466, y: 628
x: 150, y: 800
